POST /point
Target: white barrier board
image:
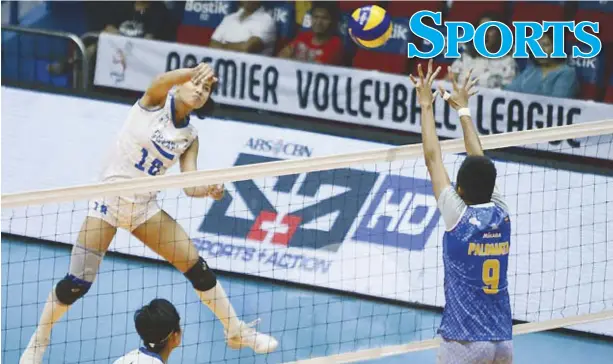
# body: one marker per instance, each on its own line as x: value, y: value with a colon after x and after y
x: 343, y: 94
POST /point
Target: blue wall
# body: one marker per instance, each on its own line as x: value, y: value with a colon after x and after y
x: 99, y: 328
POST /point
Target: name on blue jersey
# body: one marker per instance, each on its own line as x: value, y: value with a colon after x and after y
x: 487, y: 249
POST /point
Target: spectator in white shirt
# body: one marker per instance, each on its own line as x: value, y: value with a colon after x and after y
x: 251, y: 29
x: 492, y: 73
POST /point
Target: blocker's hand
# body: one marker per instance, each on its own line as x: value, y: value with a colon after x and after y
x: 424, y: 84
x: 459, y: 97
x: 216, y: 192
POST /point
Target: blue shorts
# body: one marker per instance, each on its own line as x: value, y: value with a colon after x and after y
x: 475, y: 352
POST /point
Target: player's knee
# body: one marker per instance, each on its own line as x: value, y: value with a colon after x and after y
x: 85, y: 262
x: 70, y: 289
x: 201, y: 276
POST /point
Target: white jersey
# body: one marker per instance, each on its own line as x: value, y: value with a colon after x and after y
x: 148, y: 144
x: 140, y: 356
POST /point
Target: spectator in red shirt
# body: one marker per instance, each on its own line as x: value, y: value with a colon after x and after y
x: 321, y: 44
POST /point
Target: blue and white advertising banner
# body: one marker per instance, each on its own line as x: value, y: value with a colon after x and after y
x: 372, y: 229
x: 343, y: 94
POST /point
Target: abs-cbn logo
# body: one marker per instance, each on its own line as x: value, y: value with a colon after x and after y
x: 317, y: 210
x: 279, y: 147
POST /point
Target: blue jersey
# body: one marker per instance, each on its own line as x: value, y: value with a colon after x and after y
x: 476, y: 257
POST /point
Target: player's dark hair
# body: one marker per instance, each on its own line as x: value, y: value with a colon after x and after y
x: 207, y: 109
x: 477, y: 178
x: 155, y: 323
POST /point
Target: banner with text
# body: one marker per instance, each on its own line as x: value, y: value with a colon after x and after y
x: 342, y: 94
x: 372, y: 229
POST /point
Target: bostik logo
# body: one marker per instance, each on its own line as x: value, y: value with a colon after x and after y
x: 522, y: 42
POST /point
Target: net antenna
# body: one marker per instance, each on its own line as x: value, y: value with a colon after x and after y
x: 288, y: 167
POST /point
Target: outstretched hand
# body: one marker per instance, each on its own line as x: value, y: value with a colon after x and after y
x: 458, y: 99
x: 424, y: 84
x: 215, y: 191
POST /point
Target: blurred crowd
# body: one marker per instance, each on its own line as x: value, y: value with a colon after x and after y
x: 315, y: 31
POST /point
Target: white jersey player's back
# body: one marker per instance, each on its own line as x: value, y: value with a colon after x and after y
x: 140, y: 356
x: 149, y: 143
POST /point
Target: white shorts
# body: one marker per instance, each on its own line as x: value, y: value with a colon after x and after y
x: 124, y: 212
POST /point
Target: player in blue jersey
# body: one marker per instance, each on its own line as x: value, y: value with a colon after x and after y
x: 477, y: 323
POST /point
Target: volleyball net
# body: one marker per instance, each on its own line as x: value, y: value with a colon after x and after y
x: 362, y: 223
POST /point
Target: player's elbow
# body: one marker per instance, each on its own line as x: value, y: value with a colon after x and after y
x: 429, y: 163
x: 189, y: 191
x: 158, y: 89
x: 433, y: 160
x: 159, y: 80
x: 431, y: 155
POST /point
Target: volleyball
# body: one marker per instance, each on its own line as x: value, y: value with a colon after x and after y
x: 370, y: 26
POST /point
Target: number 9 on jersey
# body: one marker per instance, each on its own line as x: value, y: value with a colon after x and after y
x: 491, y: 276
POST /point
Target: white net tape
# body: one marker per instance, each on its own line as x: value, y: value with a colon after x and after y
x: 287, y: 167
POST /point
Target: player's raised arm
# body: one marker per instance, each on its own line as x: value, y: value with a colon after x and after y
x: 189, y: 163
x: 431, y: 145
x: 458, y: 100
x: 161, y: 85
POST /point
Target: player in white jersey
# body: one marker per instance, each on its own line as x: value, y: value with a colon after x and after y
x: 158, y: 325
x: 155, y: 136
